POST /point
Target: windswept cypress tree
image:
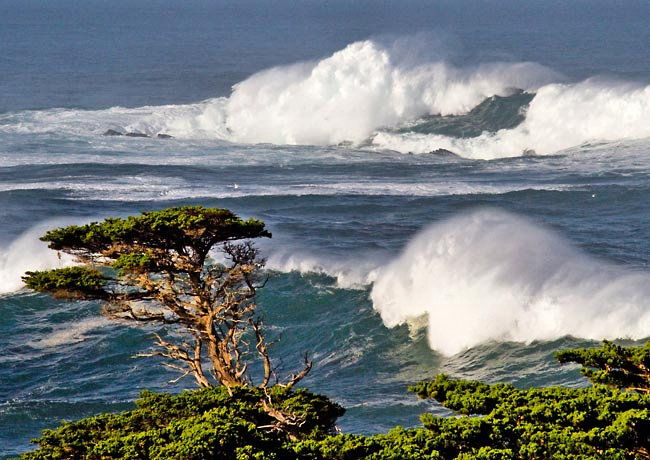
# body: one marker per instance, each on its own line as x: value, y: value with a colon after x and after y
x: 154, y: 269
x: 614, y: 365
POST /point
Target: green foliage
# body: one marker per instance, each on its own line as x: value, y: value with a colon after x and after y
x: 135, y: 262
x: 611, y: 364
x: 504, y: 423
x: 507, y: 423
x: 463, y: 396
x: 204, y: 424
x: 194, y: 226
x: 397, y: 444
x: 156, y: 273
x: 539, y: 422
x: 74, y: 282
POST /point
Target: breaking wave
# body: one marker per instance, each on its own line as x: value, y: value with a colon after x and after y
x: 560, y: 116
x: 481, y: 276
x: 344, y: 97
x: 371, y: 95
x: 359, y: 89
x: 493, y: 276
x: 25, y: 253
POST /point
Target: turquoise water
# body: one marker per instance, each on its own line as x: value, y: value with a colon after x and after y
x: 388, y: 263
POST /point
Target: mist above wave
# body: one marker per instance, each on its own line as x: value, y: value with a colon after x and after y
x: 348, y: 95
x: 345, y: 97
x: 369, y: 94
x: 25, y: 253
x: 492, y: 276
x: 559, y: 117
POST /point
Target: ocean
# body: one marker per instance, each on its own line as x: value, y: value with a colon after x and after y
x: 452, y: 186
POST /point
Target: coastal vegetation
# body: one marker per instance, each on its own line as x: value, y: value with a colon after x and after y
x: 157, y: 269
x: 495, y: 421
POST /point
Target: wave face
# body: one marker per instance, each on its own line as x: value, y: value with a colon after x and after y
x: 27, y: 253
x: 359, y: 89
x: 560, y: 116
x: 493, y: 114
x: 493, y: 276
x: 345, y: 97
x: 379, y: 97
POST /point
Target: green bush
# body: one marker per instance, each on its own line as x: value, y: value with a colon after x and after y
x: 204, y: 424
x: 494, y: 422
x: 70, y: 282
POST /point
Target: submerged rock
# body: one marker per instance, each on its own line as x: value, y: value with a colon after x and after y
x: 443, y: 153
x: 112, y: 132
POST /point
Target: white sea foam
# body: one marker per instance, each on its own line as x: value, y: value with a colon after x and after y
x: 152, y: 188
x: 25, y: 253
x: 201, y: 120
x: 349, y: 274
x: 490, y: 275
x: 357, y: 92
x: 64, y: 334
x: 348, y: 95
x: 343, y: 97
x: 560, y: 116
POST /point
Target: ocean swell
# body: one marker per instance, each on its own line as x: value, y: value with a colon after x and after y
x: 369, y: 95
x: 345, y: 97
x: 560, y: 116
x: 489, y: 275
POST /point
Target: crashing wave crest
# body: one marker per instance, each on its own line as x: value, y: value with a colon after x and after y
x: 365, y: 92
x: 493, y: 276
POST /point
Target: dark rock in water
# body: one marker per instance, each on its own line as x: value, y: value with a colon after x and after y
x: 529, y: 153
x: 112, y: 132
x: 491, y: 115
x: 136, y: 135
x: 443, y: 153
x: 164, y: 136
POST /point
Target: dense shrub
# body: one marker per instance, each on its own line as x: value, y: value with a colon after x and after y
x: 204, y: 424
x: 282, y: 423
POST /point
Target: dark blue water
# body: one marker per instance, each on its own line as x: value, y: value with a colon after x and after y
x: 96, y: 54
x: 389, y: 263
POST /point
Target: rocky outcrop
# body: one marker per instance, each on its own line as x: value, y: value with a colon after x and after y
x: 112, y: 132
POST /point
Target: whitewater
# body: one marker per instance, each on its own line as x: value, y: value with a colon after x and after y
x: 360, y: 94
x: 469, y: 199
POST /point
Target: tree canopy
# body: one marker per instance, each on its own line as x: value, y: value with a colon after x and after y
x: 155, y: 269
x: 611, y: 364
x: 212, y: 423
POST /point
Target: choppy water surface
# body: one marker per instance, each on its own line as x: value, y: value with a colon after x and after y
x: 430, y: 214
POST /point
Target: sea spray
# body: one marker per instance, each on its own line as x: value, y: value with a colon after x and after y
x: 560, y: 116
x: 348, y: 95
x: 489, y: 275
x: 368, y: 94
x: 349, y: 274
x: 344, y: 97
x: 27, y: 253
